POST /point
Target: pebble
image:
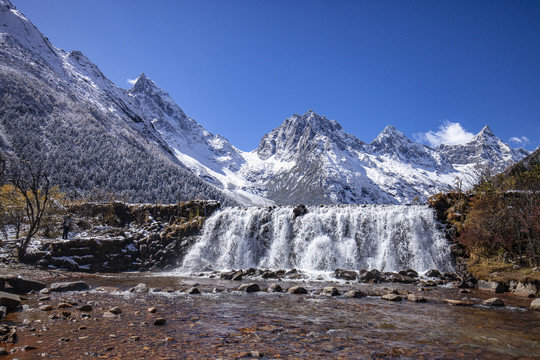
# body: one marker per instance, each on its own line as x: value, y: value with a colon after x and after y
x: 493, y: 302
x: 193, y: 291
x: 86, y: 308
x: 151, y: 310
x: 160, y: 321
x: 391, y: 297
x: 115, y: 310
x: 134, y: 338
x: 46, y: 308
x: 64, y: 305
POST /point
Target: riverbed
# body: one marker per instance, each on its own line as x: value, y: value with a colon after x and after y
x: 222, y: 323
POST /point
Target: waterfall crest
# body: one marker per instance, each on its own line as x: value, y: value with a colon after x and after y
x: 383, y: 237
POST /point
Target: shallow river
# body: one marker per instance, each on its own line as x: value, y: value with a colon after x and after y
x: 231, y: 324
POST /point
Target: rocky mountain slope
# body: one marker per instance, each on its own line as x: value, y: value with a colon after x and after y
x: 57, y: 108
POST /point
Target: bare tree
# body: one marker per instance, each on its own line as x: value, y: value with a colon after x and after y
x: 33, y: 185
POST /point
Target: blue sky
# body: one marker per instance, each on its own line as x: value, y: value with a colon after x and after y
x: 240, y: 68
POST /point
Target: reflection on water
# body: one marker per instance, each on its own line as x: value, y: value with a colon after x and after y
x: 232, y: 325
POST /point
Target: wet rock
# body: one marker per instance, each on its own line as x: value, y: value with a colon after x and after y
x: 25, y: 285
x: 458, y: 302
x: 64, y: 305
x: 108, y: 314
x: 66, y: 314
x: 495, y: 286
x: 3, y: 312
x: 493, y: 302
x: 193, y: 291
x: 152, y: 310
x: 526, y: 289
x: 268, y: 274
x: 85, y: 308
x: 468, y: 283
x: 44, y: 298
x: 46, y: 308
x: 409, y: 272
x: 354, y: 294
x: 330, y: 291
x: 299, y: 210
x: 464, y: 291
x: 371, y: 276
x: 249, y: 288
x: 535, y: 304
x: 69, y: 286
x: 297, y: 290
x: 275, y: 288
x: 10, y: 301
x: 8, y: 334
x: 115, y: 310
x: 399, y: 278
x: 45, y: 291
x: 160, y: 321
x: 3, y: 351
x: 345, y: 274
x: 433, y: 273
x: 140, y: 288
x: 416, y: 298
x: 391, y: 297
x: 237, y: 276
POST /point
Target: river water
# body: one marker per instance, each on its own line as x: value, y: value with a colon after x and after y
x: 231, y: 324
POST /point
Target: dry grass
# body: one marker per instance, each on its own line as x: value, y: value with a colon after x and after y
x: 496, y: 270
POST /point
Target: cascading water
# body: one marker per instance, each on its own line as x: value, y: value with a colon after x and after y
x: 383, y: 237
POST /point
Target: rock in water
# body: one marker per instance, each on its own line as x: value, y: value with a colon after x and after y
x: 275, y: 288
x: 535, y: 304
x: 416, y: 298
x: 193, y: 291
x: 330, y: 291
x: 354, y: 294
x: 493, y: 302
x: 10, y: 301
x: 26, y: 285
x: 391, y: 297
x: 69, y: 286
x: 495, y: 286
x: 140, y: 288
x: 297, y: 290
x: 249, y: 288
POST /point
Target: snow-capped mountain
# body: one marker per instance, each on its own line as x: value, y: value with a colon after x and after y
x: 57, y: 108
x: 484, y: 149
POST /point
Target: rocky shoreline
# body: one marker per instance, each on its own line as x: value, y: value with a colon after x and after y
x: 62, y: 308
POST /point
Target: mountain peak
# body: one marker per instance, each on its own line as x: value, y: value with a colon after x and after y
x: 486, y: 130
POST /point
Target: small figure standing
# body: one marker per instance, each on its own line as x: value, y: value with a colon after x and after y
x: 66, y: 225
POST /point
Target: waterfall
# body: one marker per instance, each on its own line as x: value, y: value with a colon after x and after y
x: 383, y: 237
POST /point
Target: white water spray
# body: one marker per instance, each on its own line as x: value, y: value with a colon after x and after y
x: 383, y: 237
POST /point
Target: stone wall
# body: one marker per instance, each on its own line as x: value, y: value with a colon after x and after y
x: 126, y: 237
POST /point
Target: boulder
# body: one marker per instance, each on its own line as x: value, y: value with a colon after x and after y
x: 493, y: 302
x: 416, y: 298
x: 458, y: 302
x: 391, y: 297
x: 330, y: 291
x: 275, y: 288
x: 433, y: 273
x: 193, y: 291
x: 237, y: 276
x: 495, y: 286
x: 526, y: 289
x: 10, y: 301
x: 140, y: 288
x: 69, y: 286
x: 25, y: 285
x: 535, y: 305
x: 345, y: 274
x: 249, y: 288
x: 299, y: 210
x: 371, y: 276
x: 399, y: 278
x: 297, y: 290
x: 160, y: 321
x: 354, y: 294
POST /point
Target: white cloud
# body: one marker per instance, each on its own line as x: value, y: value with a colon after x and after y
x: 131, y: 81
x: 520, y: 140
x: 449, y: 133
